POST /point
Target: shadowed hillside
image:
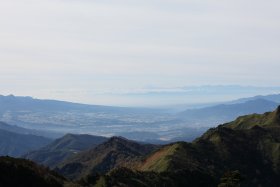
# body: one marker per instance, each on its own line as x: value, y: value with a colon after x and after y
x: 63, y: 148
x: 114, y: 153
x: 23, y: 173
x: 14, y: 144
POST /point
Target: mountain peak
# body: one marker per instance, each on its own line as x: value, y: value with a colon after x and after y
x: 69, y: 135
x: 118, y: 138
x: 268, y: 119
x: 64, y: 148
x: 115, y: 152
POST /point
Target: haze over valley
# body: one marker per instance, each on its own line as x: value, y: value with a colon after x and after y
x: 55, y: 118
x: 151, y: 93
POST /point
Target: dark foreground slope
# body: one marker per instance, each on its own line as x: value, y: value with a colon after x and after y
x: 64, y: 148
x: 23, y: 173
x: 245, y: 152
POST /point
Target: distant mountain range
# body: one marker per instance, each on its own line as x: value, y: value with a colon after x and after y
x: 15, y: 129
x: 274, y: 98
x: 189, y: 96
x: 19, y: 103
x: 53, y: 119
x: 21, y: 130
x: 227, y: 112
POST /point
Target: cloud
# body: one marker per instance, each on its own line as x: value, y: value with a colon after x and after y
x: 129, y: 44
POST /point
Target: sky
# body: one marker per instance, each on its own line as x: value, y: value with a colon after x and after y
x: 101, y: 51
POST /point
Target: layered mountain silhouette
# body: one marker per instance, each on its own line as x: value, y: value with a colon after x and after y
x: 16, y: 129
x: 273, y: 97
x: 14, y: 144
x: 21, y: 130
x: 51, y: 118
x: 63, y: 148
x: 228, y: 112
x: 244, y: 152
x: 18, y: 103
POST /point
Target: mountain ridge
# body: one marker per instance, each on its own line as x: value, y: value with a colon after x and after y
x: 64, y: 148
x: 15, y: 144
x: 115, y: 152
x: 227, y: 112
x: 251, y: 155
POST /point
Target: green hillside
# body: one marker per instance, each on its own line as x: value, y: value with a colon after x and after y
x: 245, y: 152
x: 267, y: 120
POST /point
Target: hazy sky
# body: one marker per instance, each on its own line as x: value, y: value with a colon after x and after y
x: 80, y: 49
